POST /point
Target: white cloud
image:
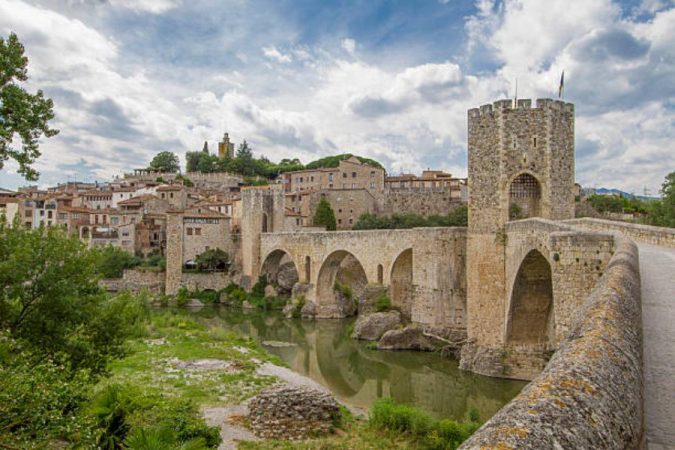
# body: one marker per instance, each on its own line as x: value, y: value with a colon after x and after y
x: 275, y: 55
x: 349, y: 45
x: 151, y: 6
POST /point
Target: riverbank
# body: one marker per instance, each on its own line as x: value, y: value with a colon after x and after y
x: 182, y: 357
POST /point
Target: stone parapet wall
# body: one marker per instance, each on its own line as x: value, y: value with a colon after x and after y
x: 136, y: 280
x: 591, y: 393
x: 642, y: 233
x: 201, y: 281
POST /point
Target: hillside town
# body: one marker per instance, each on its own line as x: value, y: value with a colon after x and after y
x: 129, y: 212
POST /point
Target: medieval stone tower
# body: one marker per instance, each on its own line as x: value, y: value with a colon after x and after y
x: 521, y: 164
x: 262, y: 212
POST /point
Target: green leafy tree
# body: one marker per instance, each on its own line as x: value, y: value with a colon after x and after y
x: 21, y: 114
x: 165, y: 162
x: 662, y: 212
x: 51, y: 301
x: 112, y: 261
x: 325, y: 216
x: 213, y: 259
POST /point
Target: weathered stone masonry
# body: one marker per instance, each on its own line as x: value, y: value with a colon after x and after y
x: 591, y: 393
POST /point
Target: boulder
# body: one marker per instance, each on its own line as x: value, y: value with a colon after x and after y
x: 371, y: 327
x: 270, y: 291
x: 247, y: 305
x: 368, y: 298
x: 287, y: 277
x: 292, y: 412
x: 409, y: 338
x: 194, y: 303
x: 308, y: 310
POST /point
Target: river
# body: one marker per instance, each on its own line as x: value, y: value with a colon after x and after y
x: 357, y: 374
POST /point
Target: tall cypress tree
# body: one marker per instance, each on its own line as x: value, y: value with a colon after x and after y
x: 325, y: 215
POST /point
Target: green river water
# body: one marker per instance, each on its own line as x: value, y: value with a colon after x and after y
x: 357, y: 375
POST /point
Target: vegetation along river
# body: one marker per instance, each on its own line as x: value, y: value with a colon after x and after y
x: 357, y: 374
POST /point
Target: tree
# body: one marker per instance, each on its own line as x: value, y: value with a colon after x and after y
x: 165, y: 162
x: 325, y: 216
x: 112, y: 261
x: 50, y: 299
x: 21, y: 114
x: 212, y: 260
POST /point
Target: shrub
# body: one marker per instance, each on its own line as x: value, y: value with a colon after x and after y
x: 383, y: 303
x: 212, y: 260
x: 434, y: 435
x: 112, y: 261
x: 182, y: 297
x: 343, y: 289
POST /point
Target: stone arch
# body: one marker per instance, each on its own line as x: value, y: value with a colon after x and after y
x: 524, y: 197
x: 400, y: 288
x: 530, y: 316
x: 280, y: 270
x: 344, y: 268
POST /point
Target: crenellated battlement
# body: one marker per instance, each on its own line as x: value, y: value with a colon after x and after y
x: 543, y: 104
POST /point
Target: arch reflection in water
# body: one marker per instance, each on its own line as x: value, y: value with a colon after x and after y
x: 358, y: 376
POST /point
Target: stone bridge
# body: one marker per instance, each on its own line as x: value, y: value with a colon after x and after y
x: 423, y: 268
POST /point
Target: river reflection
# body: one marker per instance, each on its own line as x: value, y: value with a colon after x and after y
x: 358, y: 375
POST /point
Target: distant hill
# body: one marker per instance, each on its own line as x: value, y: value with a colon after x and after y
x: 620, y: 193
x: 334, y: 161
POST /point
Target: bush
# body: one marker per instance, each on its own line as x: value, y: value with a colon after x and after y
x: 432, y: 434
x: 156, y: 260
x: 39, y: 401
x: 212, y: 260
x: 147, y: 420
x: 343, y: 289
x: 383, y: 303
x: 182, y: 297
x: 112, y: 261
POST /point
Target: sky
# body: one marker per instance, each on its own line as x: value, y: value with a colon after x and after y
x: 390, y: 80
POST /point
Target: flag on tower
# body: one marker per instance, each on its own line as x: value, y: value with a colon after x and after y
x: 562, y: 85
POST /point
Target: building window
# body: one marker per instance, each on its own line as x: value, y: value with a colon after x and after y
x: 330, y: 177
x: 198, y: 231
x: 330, y: 186
x: 372, y: 185
x: 29, y: 213
x: 189, y: 231
x: 311, y: 178
x: 49, y: 215
x: 42, y: 213
x: 372, y: 173
x: 339, y: 221
x: 353, y: 174
x: 171, y: 195
x: 350, y: 221
x: 339, y: 210
x: 163, y: 194
x: 344, y: 174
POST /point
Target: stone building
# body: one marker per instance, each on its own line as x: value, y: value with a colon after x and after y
x: 189, y: 233
x: 349, y: 174
x: 174, y: 194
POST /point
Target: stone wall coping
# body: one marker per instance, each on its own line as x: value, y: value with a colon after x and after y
x: 648, y: 233
x: 591, y: 393
x: 345, y: 233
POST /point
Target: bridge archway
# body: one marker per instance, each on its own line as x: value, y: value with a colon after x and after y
x: 401, y: 282
x: 278, y: 262
x: 530, y: 319
x: 341, y: 268
x: 524, y: 197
